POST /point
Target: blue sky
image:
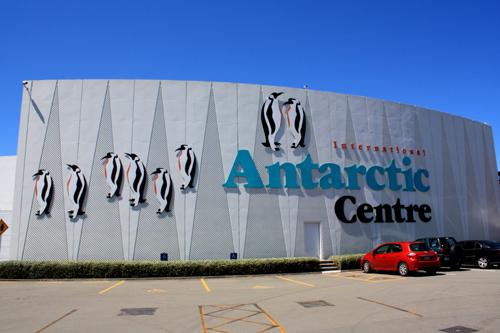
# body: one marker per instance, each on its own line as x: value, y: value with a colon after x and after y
x: 442, y: 55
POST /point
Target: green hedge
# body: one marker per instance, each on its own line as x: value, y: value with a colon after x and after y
x: 347, y: 261
x: 152, y: 269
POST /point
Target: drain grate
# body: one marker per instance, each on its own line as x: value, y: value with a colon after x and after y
x: 138, y: 312
x: 460, y: 329
x: 313, y: 304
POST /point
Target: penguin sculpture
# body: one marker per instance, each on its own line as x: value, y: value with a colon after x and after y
x: 187, y: 165
x: 271, y: 117
x: 163, y: 189
x: 113, y: 171
x: 296, y: 120
x: 77, y: 190
x: 44, y: 190
x: 136, y: 177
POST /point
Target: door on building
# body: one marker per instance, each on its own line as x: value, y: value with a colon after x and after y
x: 312, y: 233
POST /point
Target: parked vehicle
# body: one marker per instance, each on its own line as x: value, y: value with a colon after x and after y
x: 403, y: 257
x: 450, y: 254
x: 482, y: 253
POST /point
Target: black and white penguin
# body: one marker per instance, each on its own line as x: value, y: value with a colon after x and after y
x: 271, y: 117
x: 163, y: 189
x: 44, y: 190
x: 136, y: 177
x: 187, y: 165
x: 296, y: 119
x: 77, y: 190
x: 113, y: 171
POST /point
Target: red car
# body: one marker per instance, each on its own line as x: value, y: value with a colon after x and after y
x: 403, y: 257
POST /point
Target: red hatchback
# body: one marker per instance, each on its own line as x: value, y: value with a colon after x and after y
x: 403, y: 257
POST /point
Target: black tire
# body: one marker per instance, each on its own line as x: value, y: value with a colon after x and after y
x: 483, y: 262
x: 431, y: 271
x: 456, y: 251
x: 403, y: 269
x: 367, y: 268
x: 456, y: 266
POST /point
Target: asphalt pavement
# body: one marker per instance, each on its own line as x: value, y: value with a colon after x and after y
x: 349, y: 301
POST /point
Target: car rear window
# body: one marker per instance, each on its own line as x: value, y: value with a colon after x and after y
x: 447, y: 241
x: 417, y: 247
x: 490, y: 244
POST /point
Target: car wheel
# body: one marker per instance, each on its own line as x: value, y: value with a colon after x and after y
x: 403, y: 269
x: 456, y: 251
x: 431, y: 271
x: 367, y: 268
x: 456, y: 267
x: 483, y: 262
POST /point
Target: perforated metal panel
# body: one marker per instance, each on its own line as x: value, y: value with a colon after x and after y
x: 157, y: 233
x: 264, y: 232
x: 312, y: 206
x: 101, y: 237
x: 212, y: 235
x: 46, y: 235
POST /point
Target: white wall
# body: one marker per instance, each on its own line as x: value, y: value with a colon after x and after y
x: 7, y: 177
x: 79, y: 121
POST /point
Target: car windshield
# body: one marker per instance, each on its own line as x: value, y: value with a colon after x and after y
x: 417, y: 247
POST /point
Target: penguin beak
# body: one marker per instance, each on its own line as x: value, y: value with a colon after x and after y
x: 279, y: 93
x: 39, y: 173
x: 157, y: 171
x: 129, y: 155
x: 108, y: 155
x: 72, y: 167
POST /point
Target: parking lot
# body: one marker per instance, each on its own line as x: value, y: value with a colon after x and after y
x: 348, y: 301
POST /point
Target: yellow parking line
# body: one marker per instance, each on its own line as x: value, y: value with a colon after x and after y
x: 271, y: 319
x: 95, y: 282
x: 307, y: 284
x: 390, y: 306
x: 101, y: 292
x: 49, y: 282
x: 55, y: 322
x: 368, y: 279
x: 8, y: 281
x: 206, y: 287
x: 202, y: 317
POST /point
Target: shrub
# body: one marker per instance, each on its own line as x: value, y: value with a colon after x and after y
x: 152, y: 269
x: 347, y: 261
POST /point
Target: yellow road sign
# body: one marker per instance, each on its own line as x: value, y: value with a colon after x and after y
x: 3, y: 227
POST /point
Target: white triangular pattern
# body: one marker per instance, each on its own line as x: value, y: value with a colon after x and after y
x: 459, y: 129
x: 451, y: 141
x: 481, y: 188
